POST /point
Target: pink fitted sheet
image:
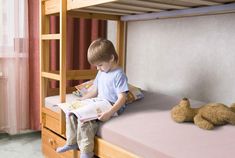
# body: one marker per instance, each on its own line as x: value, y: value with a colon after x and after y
x: 146, y: 129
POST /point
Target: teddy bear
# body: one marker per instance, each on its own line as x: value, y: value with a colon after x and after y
x: 206, y: 117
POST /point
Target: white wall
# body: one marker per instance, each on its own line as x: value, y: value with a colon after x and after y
x: 189, y: 57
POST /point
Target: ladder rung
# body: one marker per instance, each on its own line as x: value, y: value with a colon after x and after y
x: 44, y: 0
x: 51, y: 75
x: 50, y: 36
x: 81, y: 74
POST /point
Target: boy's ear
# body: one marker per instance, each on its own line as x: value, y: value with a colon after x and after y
x: 112, y: 58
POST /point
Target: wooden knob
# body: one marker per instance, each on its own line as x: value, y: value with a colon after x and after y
x: 51, y: 141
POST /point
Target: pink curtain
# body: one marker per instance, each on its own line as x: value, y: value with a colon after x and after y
x: 14, y: 104
x: 34, y: 107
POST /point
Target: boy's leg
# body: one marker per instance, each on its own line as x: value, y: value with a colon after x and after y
x: 71, y: 130
x: 71, y: 127
x: 85, y: 137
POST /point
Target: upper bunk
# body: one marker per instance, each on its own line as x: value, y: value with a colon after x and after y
x: 127, y: 10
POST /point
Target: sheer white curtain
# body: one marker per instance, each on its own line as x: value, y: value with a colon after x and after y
x: 14, y: 106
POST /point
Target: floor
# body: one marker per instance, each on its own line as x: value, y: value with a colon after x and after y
x: 21, y: 146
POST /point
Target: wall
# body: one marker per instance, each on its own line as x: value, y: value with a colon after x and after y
x: 188, y: 57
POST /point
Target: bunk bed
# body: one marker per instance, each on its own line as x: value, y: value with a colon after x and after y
x: 107, y: 142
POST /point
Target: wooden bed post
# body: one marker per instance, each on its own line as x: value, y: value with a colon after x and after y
x: 63, y: 38
x: 121, y: 42
x: 44, y: 54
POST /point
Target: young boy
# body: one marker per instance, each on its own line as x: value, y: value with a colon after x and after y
x: 111, y: 84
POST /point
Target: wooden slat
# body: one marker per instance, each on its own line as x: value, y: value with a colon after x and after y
x: 101, y: 12
x: 226, y: 8
x: 131, y: 7
x: 201, y: 2
x: 81, y: 74
x: 151, y: 4
x: 125, y: 11
x: 78, y: 74
x: 50, y: 75
x: 93, y: 15
x: 224, y: 1
x: 50, y: 36
x: 76, y: 4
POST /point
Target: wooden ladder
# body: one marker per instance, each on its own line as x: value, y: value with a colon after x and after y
x: 44, y: 44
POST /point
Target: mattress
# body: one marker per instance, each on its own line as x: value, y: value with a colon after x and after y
x: 52, y: 101
x: 146, y: 129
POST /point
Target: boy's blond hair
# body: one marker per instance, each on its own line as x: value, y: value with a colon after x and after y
x: 101, y: 50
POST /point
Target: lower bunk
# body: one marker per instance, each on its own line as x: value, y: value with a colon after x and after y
x: 146, y: 130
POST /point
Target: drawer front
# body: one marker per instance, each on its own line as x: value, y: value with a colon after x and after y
x: 52, y: 123
x: 50, y: 142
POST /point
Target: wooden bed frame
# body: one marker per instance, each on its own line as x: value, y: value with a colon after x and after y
x: 53, y: 124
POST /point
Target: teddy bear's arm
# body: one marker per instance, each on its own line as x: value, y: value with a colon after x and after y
x: 202, y: 123
x: 229, y: 117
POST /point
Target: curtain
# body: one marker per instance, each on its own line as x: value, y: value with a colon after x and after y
x: 34, y: 94
x: 80, y: 33
x: 14, y: 104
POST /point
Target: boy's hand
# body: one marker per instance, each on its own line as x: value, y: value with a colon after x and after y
x: 105, y: 116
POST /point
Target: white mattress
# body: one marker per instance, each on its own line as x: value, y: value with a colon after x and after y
x: 146, y: 129
x: 52, y: 101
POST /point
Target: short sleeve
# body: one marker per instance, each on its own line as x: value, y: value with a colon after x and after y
x: 121, y: 83
x: 96, y: 79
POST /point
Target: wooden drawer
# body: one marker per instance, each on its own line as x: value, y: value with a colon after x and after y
x: 52, y: 123
x: 51, y: 120
x: 50, y: 142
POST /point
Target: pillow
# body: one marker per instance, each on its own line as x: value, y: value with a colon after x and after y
x: 83, y: 88
x: 133, y: 94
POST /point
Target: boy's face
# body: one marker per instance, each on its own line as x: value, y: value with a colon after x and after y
x: 104, y: 66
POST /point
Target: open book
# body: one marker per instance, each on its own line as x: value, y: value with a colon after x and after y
x: 87, y: 109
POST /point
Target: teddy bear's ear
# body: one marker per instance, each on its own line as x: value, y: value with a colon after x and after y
x: 184, y: 102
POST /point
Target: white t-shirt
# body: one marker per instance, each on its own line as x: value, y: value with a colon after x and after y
x: 110, y: 84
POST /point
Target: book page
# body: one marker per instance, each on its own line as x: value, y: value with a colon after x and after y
x: 86, y: 110
x: 89, y: 109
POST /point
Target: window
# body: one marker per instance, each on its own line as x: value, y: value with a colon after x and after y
x: 13, y: 27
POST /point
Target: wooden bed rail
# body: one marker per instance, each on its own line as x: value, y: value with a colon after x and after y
x: 71, y: 74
